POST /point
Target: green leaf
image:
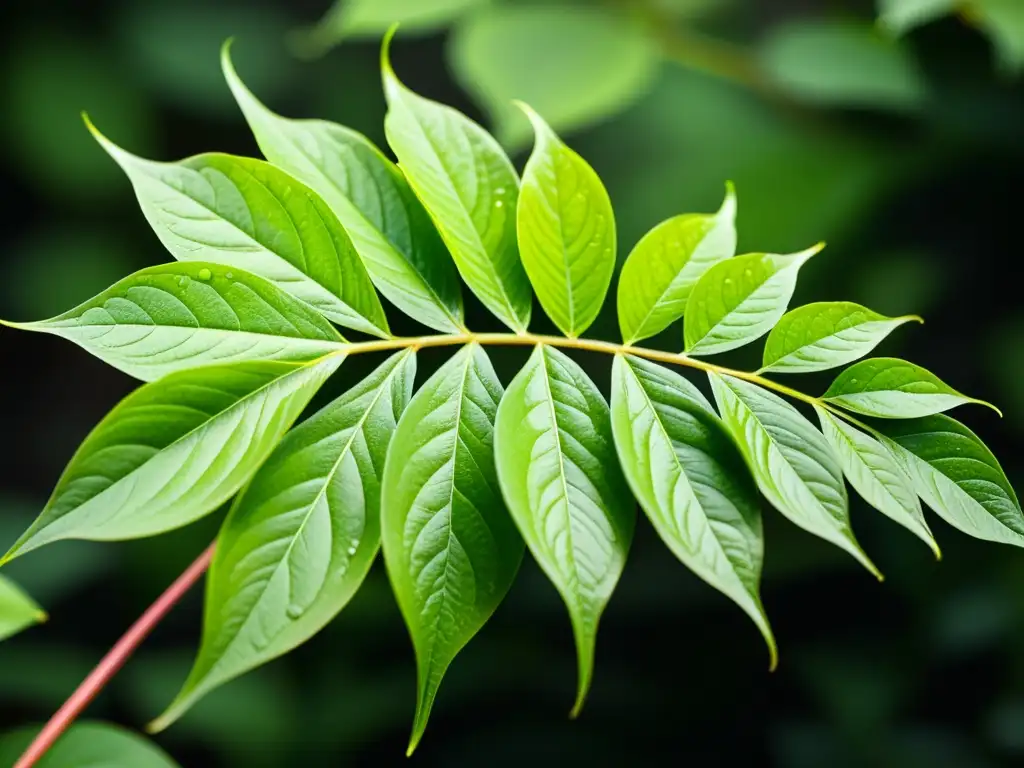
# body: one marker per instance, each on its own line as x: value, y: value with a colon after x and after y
x: 247, y: 214
x: 189, y: 314
x: 827, y: 334
x: 300, y: 539
x: 175, y: 450
x: 873, y: 472
x: 566, y: 230
x: 843, y: 64
x: 664, y: 266
x: 690, y: 479
x: 369, y: 18
x: 793, y: 464
x: 564, y: 487
x: 901, y: 16
x: 18, y: 611
x: 389, y: 227
x: 450, y: 548
x: 740, y: 299
x: 469, y: 187
x: 574, y: 65
x: 894, y: 389
x: 89, y: 745
x: 1003, y: 21
x: 957, y: 476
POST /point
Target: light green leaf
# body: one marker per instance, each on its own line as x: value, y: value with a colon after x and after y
x: 389, y: 227
x: 450, y: 547
x: 369, y: 18
x: 300, y: 539
x: 793, y: 464
x: 894, y: 389
x: 873, y: 472
x: 89, y: 745
x: 247, y: 214
x: 740, y: 299
x: 175, y: 450
x: 566, y: 230
x: 1003, y: 21
x: 690, y: 479
x: 663, y: 267
x: 827, y: 334
x: 843, y: 63
x: 189, y: 314
x: 469, y: 187
x: 574, y: 65
x: 18, y: 611
x: 957, y: 476
x: 901, y: 16
x: 564, y: 487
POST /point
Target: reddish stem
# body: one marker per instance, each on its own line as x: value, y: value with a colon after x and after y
x: 113, y: 661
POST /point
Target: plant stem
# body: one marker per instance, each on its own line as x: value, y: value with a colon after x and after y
x: 113, y: 661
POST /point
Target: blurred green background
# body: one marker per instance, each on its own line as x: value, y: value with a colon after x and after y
x: 904, y: 152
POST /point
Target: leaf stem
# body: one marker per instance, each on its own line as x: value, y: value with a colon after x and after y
x: 113, y: 661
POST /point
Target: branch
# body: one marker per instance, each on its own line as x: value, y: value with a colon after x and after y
x: 113, y: 661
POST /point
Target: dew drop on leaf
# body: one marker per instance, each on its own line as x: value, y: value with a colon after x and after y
x: 294, y: 611
x: 205, y: 274
x: 498, y: 204
x: 183, y: 281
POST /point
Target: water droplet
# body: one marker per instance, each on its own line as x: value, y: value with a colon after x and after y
x: 499, y: 191
x: 498, y: 204
x: 853, y: 381
x: 205, y: 274
x: 294, y: 611
x: 352, y: 550
x: 183, y: 281
x: 230, y: 275
x: 748, y: 272
x: 728, y: 281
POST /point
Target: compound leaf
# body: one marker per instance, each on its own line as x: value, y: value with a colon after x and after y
x: 793, y: 464
x: 18, y: 611
x: 450, y: 547
x: 894, y: 389
x: 740, y: 299
x: 564, y: 487
x: 663, y: 267
x: 188, y: 314
x: 175, y: 450
x: 690, y: 479
x: 875, y: 474
x: 469, y: 187
x: 247, y: 214
x: 566, y: 230
x: 301, y: 537
x: 957, y: 476
x: 389, y: 227
x: 827, y: 334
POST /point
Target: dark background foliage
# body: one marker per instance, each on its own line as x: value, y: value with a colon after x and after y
x: 913, y: 178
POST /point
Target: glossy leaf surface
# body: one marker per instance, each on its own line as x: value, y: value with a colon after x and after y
x: 739, y: 300
x: 175, y: 450
x: 450, y: 547
x: 690, y: 479
x: 663, y: 267
x: 247, y: 214
x: 301, y: 537
x: 827, y: 334
x: 389, y: 227
x: 566, y: 231
x: 562, y: 482
x: 895, y: 389
x: 791, y: 461
x: 466, y: 182
x: 188, y: 314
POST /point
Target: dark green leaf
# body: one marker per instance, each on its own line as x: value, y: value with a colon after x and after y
x: 663, y: 267
x: 1003, y: 21
x: 901, y: 16
x: 470, y: 188
x: 247, y: 214
x: 691, y: 481
x: 188, y: 314
x: 894, y: 389
x: 566, y: 230
x: 563, y: 485
x: 18, y: 611
x: 450, y: 548
x: 390, y: 230
x: 174, y: 450
x: 89, y: 745
x: 791, y: 461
